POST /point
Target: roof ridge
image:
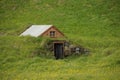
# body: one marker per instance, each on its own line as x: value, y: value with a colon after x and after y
x: 41, y: 25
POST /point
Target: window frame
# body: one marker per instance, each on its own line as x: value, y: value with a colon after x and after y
x: 52, y: 34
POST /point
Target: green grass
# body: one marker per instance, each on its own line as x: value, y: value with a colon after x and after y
x: 93, y: 24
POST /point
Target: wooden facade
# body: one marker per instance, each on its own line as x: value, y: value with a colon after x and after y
x: 53, y: 32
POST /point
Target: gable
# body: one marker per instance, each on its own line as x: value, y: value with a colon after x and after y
x: 56, y: 34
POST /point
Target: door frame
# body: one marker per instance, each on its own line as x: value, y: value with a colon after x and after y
x: 62, y: 48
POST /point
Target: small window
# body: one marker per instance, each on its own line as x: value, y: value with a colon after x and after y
x: 52, y: 33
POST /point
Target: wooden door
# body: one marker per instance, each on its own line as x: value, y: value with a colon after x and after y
x: 58, y: 50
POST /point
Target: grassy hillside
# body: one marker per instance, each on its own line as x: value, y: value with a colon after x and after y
x: 93, y: 24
